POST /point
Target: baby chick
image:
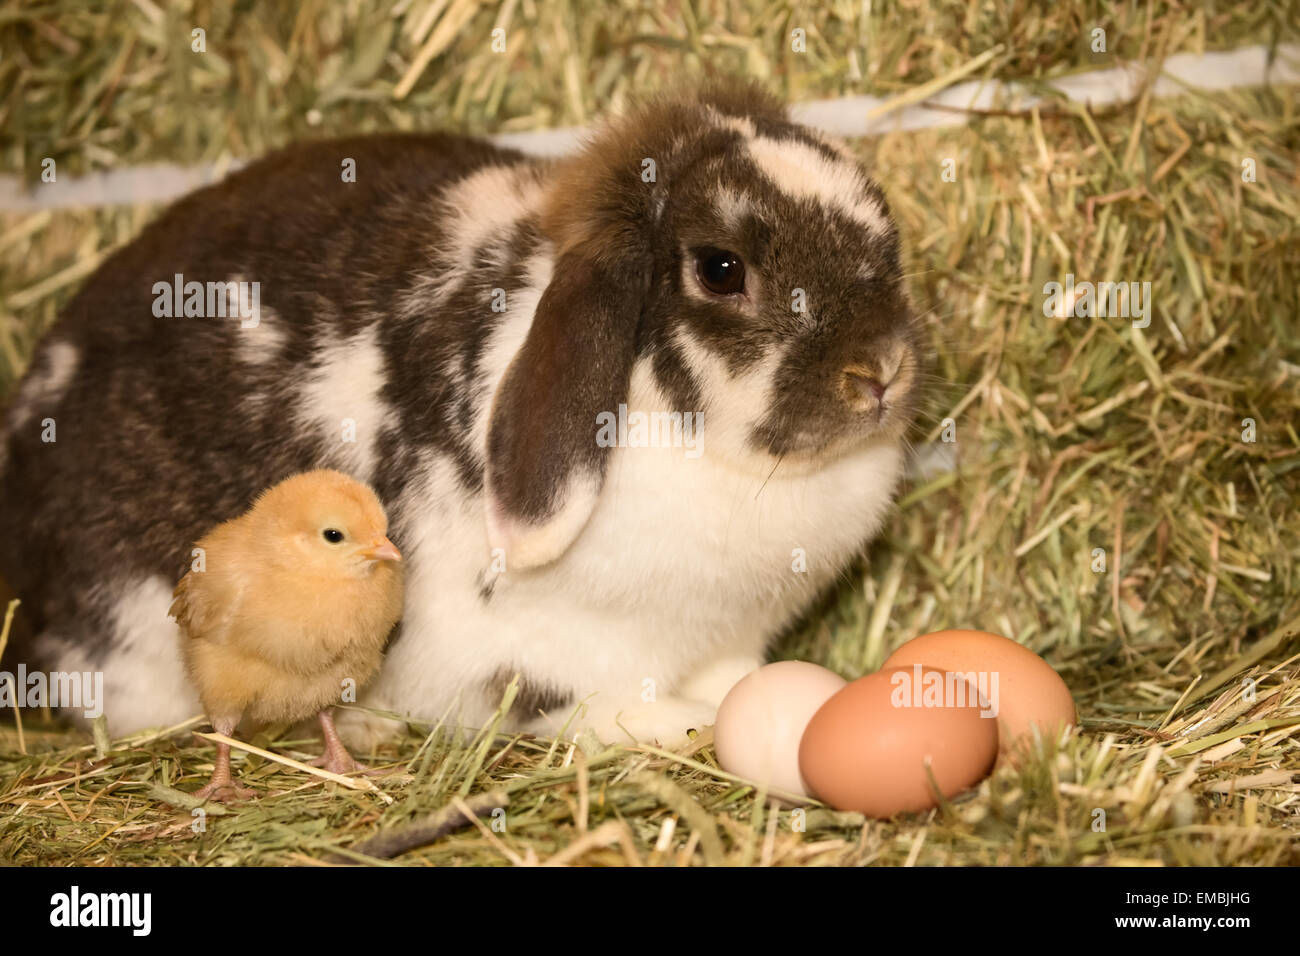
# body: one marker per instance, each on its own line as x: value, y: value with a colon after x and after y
x: 295, y: 596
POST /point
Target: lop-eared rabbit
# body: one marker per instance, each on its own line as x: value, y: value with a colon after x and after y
x: 629, y: 411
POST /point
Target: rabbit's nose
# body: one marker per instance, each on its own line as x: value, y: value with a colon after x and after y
x: 863, y: 389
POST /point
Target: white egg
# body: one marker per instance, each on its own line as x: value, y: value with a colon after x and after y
x: 762, y: 719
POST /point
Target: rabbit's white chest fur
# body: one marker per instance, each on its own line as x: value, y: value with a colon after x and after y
x: 671, y: 592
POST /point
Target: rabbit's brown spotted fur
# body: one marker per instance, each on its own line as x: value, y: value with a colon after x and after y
x: 470, y: 314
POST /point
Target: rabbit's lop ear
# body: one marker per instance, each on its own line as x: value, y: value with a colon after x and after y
x: 544, y: 466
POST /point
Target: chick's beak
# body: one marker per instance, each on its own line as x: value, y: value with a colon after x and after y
x: 382, y: 550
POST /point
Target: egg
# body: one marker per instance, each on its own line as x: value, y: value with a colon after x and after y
x: 761, y: 721
x: 869, y: 746
x: 1020, y: 686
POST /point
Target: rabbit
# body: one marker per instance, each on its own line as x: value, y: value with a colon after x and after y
x: 630, y: 411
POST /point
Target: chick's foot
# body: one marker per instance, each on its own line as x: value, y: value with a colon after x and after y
x: 336, y: 758
x: 224, y: 792
x: 222, y: 788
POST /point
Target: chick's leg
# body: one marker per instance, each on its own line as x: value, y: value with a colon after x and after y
x: 222, y: 787
x: 336, y: 758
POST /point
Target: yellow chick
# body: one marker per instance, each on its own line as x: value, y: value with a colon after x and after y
x: 295, y: 597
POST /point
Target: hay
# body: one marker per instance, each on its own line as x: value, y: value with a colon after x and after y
x: 1073, y: 434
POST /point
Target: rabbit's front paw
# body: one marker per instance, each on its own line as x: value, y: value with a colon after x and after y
x: 714, y: 681
x: 664, y: 722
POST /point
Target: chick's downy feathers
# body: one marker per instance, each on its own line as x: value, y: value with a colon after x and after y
x: 290, y: 600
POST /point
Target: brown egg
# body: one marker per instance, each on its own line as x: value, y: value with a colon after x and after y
x: 868, y: 747
x: 1020, y: 686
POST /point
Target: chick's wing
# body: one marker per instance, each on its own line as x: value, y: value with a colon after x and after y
x: 206, y: 602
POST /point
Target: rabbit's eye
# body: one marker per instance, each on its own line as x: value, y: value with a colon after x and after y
x: 332, y: 535
x: 719, y: 271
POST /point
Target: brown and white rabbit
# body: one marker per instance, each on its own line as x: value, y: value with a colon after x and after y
x: 474, y: 332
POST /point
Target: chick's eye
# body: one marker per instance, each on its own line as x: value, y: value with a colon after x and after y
x: 332, y: 535
x: 720, y: 271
